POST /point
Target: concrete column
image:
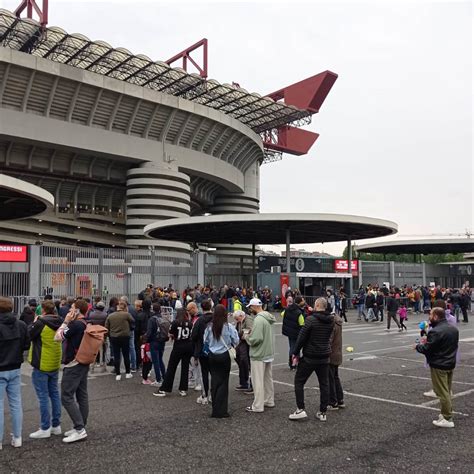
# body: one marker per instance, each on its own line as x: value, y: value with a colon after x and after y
x: 156, y: 192
x: 423, y: 273
x: 35, y: 268
x: 238, y: 203
x: 349, y: 268
x: 392, y: 273
x: 100, y: 271
x: 288, y: 251
x: 200, y: 267
x: 153, y: 264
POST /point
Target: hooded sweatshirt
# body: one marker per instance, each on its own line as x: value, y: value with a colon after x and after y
x: 261, y: 338
x: 314, y: 338
x: 13, y: 341
x: 45, y: 352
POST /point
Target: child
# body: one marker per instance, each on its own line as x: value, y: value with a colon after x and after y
x: 146, y: 360
x: 402, y: 312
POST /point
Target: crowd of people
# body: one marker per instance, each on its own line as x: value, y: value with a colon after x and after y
x: 205, y: 342
x: 372, y: 301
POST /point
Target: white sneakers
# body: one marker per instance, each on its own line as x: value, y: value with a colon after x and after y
x: 321, y: 416
x: 74, y: 435
x: 183, y: 393
x: 198, y: 388
x: 298, y: 415
x: 202, y: 400
x: 118, y: 378
x: 15, y: 442
x: 442, y: 422
x: 42, y: 434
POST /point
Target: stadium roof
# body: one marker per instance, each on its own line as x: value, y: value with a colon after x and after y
x: 270, y: 228
x: 257, y: 112
x: 420, y: 247
x: 20, y: 199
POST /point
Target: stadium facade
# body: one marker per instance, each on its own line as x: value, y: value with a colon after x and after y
x: 121, y: 141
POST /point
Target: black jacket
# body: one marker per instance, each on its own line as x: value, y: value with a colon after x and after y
x: 379, y: 300
x: 291, y: 327
x: 73, y: 335
x: 314, y: 338
x: 27, y: 316
x: 369, y: 300
x: 13, y: 341
x: 392, y: 305
x: 441, y: 346
x: 141, y: 322
x: 96, y: 316
x: 197, y: 334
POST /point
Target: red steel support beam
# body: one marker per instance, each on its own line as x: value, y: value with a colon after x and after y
x: 186, y: 56
x: 30, y: 6
x: 308, y: 94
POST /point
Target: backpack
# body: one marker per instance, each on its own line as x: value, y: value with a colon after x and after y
x: 92, y: 341
x: 162, y: 329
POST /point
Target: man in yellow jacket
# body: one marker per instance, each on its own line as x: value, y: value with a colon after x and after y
x: 45, y: 357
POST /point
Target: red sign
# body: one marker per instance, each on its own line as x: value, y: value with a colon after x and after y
x: 284, y: 283
x: 343, y: 265
x: 13, y: 253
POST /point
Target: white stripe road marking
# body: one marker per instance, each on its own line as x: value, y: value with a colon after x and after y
x: 368, y: 397
x: 370, y: 342
x: 420, y: 361
x: 456, y: 395
x: 397, y: 375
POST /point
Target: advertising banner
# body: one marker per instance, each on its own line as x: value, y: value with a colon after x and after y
x: 343, y: 265
x: 284, y: 284
x: 13, y: 253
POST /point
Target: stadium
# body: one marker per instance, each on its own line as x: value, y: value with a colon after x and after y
x: 122, y: 141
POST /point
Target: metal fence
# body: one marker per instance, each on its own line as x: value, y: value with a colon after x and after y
x: 107, y: 272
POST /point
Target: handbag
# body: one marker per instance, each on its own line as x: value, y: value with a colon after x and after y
x: 231, y: 350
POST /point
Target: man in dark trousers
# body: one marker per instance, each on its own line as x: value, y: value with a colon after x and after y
x: 440, y: 348
x: 314, y: 338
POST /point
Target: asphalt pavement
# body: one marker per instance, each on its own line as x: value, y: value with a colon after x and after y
x: 386, y: 426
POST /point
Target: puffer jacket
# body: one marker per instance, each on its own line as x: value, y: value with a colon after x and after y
x: 14, y: 340
x: 314, y: 338
x: 291, y: 321
x: 336, y: 342
x: 45, y: 352
x: 441, y: 346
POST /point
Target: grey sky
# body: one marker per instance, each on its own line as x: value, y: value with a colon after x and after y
x: 396, y: 129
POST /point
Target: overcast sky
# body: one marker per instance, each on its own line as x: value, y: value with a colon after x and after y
x: 396, y: 131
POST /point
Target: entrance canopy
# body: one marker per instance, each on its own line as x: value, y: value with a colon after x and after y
x: 270, y: 228
x: 420, y: 247
x: 20, y: 199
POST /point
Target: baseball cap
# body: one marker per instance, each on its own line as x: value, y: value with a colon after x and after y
x: 32, y: 302
x: 254, y: 302
x: 100, y: 305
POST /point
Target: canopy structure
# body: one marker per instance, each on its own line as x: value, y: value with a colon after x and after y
x: 19, y: 199
x: 420, y: 247
x: 270, y: 228
x: 257, y: 112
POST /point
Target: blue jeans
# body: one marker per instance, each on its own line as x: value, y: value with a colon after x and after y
x: 133, y: 353
x: 47, y: 388
x: 360, y: 308
x: 10, y: 383
x: 292, y: 344
x: 157, y: 350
